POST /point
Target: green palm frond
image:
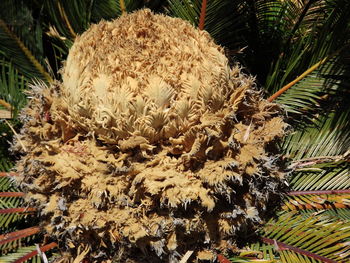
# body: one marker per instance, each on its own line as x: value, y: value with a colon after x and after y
x: 5, y: 165
x: 33, y: 254
x: 186, y: 10
x: 219, y: 22
x: 252, y: 256
x: 12, y: 86
x: 266, y: 250
x: 9, y: 219
x: 313, y: 93
x: 263, y: 35
x: 326, y: 179
x: 339, y: 214
x: 317, y: 236
x: 320, y: 155
x: 21, y: 40
x: 13, y: 214
x: 299, y: 100
x: 19, y: 254
x: 6, y: 182
x: 294, y: 238
x: 10, y: 201
x: 107, y: 9
x: 291, y: 256
x: 69, y: 17
x: 11, y: 208
x: 11, y: 241
x: 330, y: 137
x: 311, y: 41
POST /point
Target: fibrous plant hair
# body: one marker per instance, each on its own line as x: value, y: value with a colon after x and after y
x: 150, y: 143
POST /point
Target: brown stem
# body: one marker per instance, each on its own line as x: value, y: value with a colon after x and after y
x: 6, y: 238
x: 122, y: 7
x: 3, y: 174
x: 223, y: 259
x: 11, y: 194
x: 320, y: 192
x: 202, y: 16
x: 17, y: 210
x: 314, y: 206
x: 66, y: 20
x: 291, y: 84
x: 35, y: 252
x: 283, y: 246
x: 5, y: 104
x: 320, y: 160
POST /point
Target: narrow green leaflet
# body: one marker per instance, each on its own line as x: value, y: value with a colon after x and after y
x: 12, y: 86
x: 19, y: 254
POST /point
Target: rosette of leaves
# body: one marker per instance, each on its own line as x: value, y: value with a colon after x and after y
x: 151, y: 143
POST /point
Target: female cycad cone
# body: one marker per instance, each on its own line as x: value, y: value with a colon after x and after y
x: 151, y: 146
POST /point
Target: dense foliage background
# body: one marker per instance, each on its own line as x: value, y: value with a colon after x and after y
x: 301, y: 44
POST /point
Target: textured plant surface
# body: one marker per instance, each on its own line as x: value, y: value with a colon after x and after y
x: 151, y: 143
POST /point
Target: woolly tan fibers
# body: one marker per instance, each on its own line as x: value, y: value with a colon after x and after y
x: 151, y: 146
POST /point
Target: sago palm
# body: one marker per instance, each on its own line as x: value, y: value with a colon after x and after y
x: 184, y: 160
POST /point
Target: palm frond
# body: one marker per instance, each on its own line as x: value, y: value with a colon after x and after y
x: 22, y: 255
x: 266, y: 250
x: 6, y: 182
x: 12, y: 86
x: 15, y: 239
x: 316, y: 91
x: 339, y: 214
x: 246, y: 256
x: 317, y: 201
x: 326, y: 179
x: 186, y: 10
x: 219, y: 22
x: 263, y: 34
x: 10, y: 201
x: 14, y: 214
x: 69, y: 17
x: 202, y: 15
x: 21, y: 42
x: 320, y: 155
x: 330, y: 137
x: 11, y: 215
x: 107, y: 9
x: 309, y: 42
x: 294, y: 97
x: 317, y: 237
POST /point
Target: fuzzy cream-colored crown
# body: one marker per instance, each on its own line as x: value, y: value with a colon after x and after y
x: 144, y: 75
x: 151, y: 144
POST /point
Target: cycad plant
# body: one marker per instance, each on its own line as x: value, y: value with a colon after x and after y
x: 298, y: 51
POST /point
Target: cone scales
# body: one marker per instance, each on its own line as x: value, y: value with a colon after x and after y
x: 151, y: 143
